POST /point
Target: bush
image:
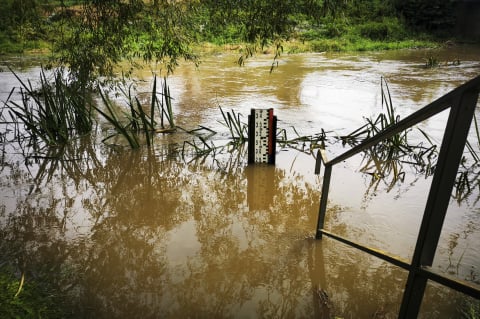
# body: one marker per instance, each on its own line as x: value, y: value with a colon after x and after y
x: 374, y: 31
x: 328, y: 30
x: 311, y: 35
x: 432, y: 15
x: 9, y: 45
x: 387, y: 29
x: 333, y: 30
x: 327, y: 45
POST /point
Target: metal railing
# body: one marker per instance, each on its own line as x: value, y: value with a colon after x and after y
x: 462, y: 102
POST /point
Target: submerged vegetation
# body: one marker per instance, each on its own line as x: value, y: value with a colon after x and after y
x: 54, y: 114
x: 139, y: 120
x: 385, y: 159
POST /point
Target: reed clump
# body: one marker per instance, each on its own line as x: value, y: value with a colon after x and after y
x: 238, y: 131
x: 58, y: 110
x: 386, y: 158
x: 136, y: 119
x: 53, y: 113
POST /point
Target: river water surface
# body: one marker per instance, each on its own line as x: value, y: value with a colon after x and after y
x: 153, y: 234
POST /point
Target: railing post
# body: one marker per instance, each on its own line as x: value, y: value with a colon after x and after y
x: 323, y: 200
x: 451, y: 153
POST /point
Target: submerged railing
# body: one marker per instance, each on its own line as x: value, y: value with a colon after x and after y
x: 462, y: 102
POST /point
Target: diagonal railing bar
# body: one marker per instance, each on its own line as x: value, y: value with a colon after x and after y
x: 462, y: 102
x: 451, y: 152
x: 424, y: 113
x: 397, y: 261
x: 466, y: 287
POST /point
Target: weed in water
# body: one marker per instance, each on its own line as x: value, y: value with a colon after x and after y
x: 383, y: 159
x: 238, y: 130
x: 136, y: 119
x: 55, y: 112
x: 432, y: 62
x: 111, y: 116
x: 471, y: 309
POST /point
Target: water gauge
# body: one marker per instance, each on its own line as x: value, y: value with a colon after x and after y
x: 262, y: 127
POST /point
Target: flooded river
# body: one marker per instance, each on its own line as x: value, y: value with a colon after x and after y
x: 153, y: 234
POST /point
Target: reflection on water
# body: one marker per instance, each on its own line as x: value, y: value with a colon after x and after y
x: 148, y: 233
x: 125, y: 233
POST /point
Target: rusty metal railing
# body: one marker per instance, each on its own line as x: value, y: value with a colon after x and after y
x: 462, y: 102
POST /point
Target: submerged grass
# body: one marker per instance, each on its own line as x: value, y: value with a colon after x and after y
x: 382, y: 159
x: 136, y: 119
x: 111, y: 116
x: 238, y: 137
x: 238, y: 129
x: 58, y: 111
x: 54, y: 113
x: 386, y: 159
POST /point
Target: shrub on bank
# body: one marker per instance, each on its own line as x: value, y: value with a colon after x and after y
x: 387, y: 29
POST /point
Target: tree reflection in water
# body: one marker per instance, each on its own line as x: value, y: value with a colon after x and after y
x: 125, y: 234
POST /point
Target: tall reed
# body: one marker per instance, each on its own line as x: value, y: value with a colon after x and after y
x: 136, y: 120
x: 238, y: 130
x: 386, y: 158
x: 55, y: 112
x: 165, y: 105
x: 111, y: 116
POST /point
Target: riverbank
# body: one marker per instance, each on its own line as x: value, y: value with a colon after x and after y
x: 389, y: 34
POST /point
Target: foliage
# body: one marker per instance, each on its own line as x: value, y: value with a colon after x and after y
x: 22, y: 297
x: 431, y: 15
x: 264, y: 20
x: 21, y: 25
x: 102, y: 34
x: 471, y: 309
x: 93, y: 37
x: 15, y: 14
x: 370, y: 10
x: 387, y: 29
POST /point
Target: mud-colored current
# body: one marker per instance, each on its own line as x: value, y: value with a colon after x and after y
x: 151, y: 234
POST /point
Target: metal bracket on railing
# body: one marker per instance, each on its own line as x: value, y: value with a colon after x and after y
x: 321, y: 157
x: 318, y: 163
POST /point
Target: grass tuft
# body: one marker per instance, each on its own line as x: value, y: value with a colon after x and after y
x: 55, y: 112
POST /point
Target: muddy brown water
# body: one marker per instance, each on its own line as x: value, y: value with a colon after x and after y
x: 149, y: 234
